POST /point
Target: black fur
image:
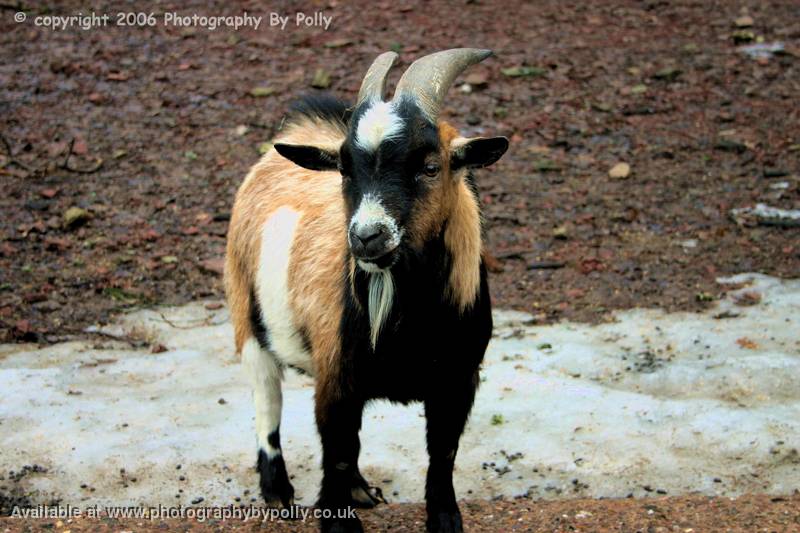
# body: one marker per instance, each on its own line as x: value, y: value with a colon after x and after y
x: 320, y: 106
x: 273, y: 479
x: 427, y: 352
x: 257, y: 322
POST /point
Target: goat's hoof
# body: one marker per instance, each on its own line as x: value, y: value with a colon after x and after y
x: 341, y: 525
x: 363, y: 495
x: 444, y: 522
x: 274, y: 481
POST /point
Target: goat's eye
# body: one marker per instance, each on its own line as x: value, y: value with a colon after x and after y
x: 431, y: 169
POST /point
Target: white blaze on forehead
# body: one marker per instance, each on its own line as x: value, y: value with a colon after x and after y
x: 371, y: 212
x: 378, y: 123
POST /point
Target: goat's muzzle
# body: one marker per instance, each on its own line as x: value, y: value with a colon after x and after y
x: 372, y: 244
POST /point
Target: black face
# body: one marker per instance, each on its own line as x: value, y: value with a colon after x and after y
x: 390, y: 162
x: 390, y: 159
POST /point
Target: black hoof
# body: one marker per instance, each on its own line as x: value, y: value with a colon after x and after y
x: 274, y: 481
x: 444, y: 522
x: 363, y: 495
x: 338, y: 525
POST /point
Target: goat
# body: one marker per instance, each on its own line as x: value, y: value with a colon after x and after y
x: 354, y: 254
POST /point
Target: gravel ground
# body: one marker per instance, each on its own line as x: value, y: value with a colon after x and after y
x: 685, y: 514
x: 148, y: 131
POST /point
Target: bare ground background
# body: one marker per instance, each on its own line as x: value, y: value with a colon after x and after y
x: 122, y: 148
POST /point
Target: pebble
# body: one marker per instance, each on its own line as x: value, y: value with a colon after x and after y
x: 620, y: 171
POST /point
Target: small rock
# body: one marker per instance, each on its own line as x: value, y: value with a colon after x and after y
x: 477, y: 80
x: 222, y: 401
x: 197, y: 500
x: 473, y: 120
x: 744, y: 22
x: 213, y: 306
x: 158, y: 348
x: 47, y: 306
x: 37, y: 205
x: 79, y: 147
x: 338, y: 43
x: 48, y: 193
x: 74, y: 217
x: 729, y: 145
x: 668, y: 74
x: 213, y: 266
x: 546, y: 165
x: 743, y: 36
x: 241, y: 129
x: 169, y: 259
x: 526, y: 72
x: 560, y: 233
x: 620, y: 171
x: 262, y: 91
x: 321, y: 80
x: 775, y: 172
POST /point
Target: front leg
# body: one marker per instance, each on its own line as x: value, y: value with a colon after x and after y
x: 338, y: 421
x: 446, y: 413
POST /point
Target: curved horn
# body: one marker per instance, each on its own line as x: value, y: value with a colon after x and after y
x: 428, y: 78
x: 375, y: 78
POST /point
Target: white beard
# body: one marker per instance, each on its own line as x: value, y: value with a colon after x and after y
x: 379, y: 304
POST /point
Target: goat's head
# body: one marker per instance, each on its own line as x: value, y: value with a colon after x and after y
x: 400, y: 166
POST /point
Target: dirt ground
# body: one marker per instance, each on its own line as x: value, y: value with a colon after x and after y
x: 686, y: 514
x: 148, y: 131
x: 150, y: 117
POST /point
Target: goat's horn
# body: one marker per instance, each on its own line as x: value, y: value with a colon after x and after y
x: 428, y: 78
x: 375, y: 80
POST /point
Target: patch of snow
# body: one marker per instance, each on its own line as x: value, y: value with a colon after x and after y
x: 653, y: 401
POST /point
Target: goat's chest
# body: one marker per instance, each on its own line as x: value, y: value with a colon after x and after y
x: 421, y: 353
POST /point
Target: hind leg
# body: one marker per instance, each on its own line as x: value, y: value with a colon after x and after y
x: 265, y: 378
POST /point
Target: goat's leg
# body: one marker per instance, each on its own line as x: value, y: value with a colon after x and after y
x: 446, y: 413
x: 265, y: 379
x: 338, y: 422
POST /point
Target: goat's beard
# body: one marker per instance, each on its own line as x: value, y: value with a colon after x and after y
x: 379, y: 303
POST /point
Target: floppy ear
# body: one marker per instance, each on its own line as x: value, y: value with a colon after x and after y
x: 478, y: 152
x: 310, y: 157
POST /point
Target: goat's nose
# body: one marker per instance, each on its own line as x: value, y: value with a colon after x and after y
x: 367, y: 232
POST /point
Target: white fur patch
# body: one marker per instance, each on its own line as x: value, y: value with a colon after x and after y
x: 371, y: 211
x: 378, y: 123
x: 379, y: 305
x: 264, y: 376
x: 272, y: 289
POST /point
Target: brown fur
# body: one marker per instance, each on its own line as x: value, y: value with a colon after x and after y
x: 451, y: 200
x: 317, y: 255
x: 316, y: 266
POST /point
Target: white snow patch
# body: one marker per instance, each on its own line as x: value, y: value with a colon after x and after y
x: 653, y: 401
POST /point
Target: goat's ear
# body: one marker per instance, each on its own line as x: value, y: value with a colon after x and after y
x: 310, y: 157
x: 477, y: 152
